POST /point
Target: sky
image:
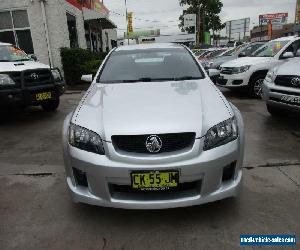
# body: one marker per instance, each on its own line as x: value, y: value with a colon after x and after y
x: 163, y: 14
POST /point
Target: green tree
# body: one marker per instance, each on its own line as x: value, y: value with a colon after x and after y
x: 207, y: 11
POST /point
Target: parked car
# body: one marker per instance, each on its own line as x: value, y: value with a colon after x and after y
x: 24, y: 81
x: 250, y: 72
x: 244, y: 50
x: 153, y: 132
x: 233, y: 44
x: 281, y: 89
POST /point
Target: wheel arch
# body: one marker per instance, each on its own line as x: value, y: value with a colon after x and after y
x: 263, y: 72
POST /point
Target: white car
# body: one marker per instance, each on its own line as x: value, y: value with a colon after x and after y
x: 251, y: 71
x: 153, y: 132
x: 26, y: 82
x: 281, y: 89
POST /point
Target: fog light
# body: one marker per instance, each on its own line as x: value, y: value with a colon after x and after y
x: 80, y: 177
x: 228, y: 172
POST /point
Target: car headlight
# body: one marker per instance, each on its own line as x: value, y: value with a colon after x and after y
x: 85, y: 139
x: 5, y: 80
x: 56, y: 75
x: 271, y: 76
x: 241, y: 69
x: 221, y: 134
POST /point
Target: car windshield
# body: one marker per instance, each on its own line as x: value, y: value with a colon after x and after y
x: 250, y: 49
x: 150, y: 65
x: 216, y: 53
x: 270, y: 49
x: 9, y: 53
x: 229, y: 52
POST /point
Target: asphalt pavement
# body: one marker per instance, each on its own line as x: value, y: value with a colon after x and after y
x: 36, y: 211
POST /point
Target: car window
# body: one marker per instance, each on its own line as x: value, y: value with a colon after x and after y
x: 294, y: 47
x: 9, y: 53
x: 270, y: 49
x: 150, y: 65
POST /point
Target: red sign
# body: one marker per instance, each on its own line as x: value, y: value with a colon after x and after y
x: 273, y: 16
x: 95, y: 5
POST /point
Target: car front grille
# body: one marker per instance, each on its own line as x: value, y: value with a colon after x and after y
x: 37, y: 77
x: 137, y: 143
x: 287, y: 81
x: 227, y: 71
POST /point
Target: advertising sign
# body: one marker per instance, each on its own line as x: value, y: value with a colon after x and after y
x: 95, y: 5
x: 238, y: 26
x: 275, y: 19
x: 137, y: 34
x: 129, y: 22
x: 189, y: 20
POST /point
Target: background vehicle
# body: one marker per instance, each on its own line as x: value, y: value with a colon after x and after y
x: 281, y: 88
x: 233, y: 44
x: 153, y: 132
x: 242, y: 51
x: 25, y: 82
x: 251, y: 71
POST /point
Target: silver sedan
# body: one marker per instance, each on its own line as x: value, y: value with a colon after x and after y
x: 153, y: 132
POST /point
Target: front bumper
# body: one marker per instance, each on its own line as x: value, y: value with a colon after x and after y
x: 103, y: 172
x: 24, y: 96
x: 234, y: 80
x: 281, y: 97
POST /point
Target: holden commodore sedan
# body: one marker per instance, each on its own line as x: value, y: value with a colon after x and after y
x: 153, y: 132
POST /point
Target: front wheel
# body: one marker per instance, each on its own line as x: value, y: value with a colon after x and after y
x: 50, y: 105
x: 255, y: 87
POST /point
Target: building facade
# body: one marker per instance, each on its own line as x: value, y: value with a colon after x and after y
x: 42, y: 27
x: 260, y: 33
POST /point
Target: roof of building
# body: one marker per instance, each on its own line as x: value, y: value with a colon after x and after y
x: 149, y: 46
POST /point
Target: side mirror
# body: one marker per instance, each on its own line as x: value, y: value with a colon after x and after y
x: 33, y: 57
x: 213, y: 72
x: 242, y: 54
x: 87, y: 78
x: 287, y: 55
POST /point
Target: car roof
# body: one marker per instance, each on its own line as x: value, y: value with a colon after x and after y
x: 149, y: 46
x: 284, y: 38
x: 1, y: 43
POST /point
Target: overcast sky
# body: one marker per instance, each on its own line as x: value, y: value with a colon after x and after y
x: 163, y: 14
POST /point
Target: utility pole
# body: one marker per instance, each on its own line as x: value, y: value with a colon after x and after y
x: 126, y: 21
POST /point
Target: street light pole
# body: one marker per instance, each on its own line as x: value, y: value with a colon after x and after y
x: 126, y: 21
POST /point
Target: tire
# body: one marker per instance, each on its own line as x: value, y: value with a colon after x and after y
x: 274, y: 111
x: 255, y: 86
x: 50, y: 105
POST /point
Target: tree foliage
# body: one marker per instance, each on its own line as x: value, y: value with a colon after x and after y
x: 209, y: 9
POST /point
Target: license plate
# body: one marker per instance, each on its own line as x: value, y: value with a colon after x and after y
x: 43, y: 96
x: 154, y: 180
x: 290, y: 99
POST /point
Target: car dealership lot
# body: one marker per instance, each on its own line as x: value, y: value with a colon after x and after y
x: 36, y: 210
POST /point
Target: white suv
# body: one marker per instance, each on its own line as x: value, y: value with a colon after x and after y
x: 251, y: 71
x: 281, y: 88
x: 25, y: 82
